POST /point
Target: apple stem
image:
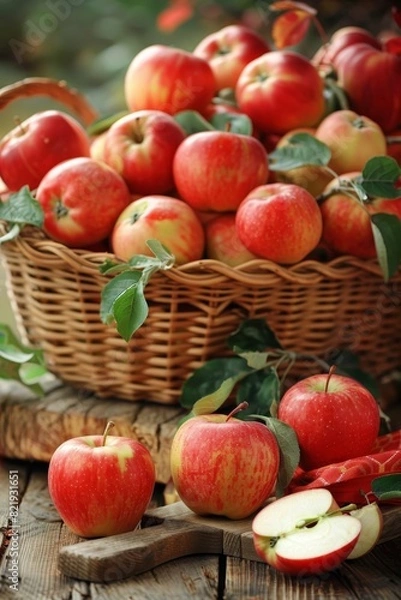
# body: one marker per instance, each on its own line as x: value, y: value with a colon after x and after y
x: 331, y: 371
x: 109, y: 426
x: 18, y: 122
x: 237, y: 409
x: 314, y: 520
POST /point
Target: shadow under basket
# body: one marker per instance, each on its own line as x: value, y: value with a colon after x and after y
x: 313, y: 307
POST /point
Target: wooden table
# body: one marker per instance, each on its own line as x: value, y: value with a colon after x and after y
x: 41, y: 535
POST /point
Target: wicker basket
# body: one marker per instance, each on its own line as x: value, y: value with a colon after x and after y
x: 312, y: 307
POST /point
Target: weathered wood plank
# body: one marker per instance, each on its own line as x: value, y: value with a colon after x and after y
x: 377, y: 576
x: 32, y: 428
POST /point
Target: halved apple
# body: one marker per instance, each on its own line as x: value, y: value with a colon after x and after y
x: 371, y: 519
x: 305, y: 533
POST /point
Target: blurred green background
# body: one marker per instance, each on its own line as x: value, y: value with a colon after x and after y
x: 90, y: 43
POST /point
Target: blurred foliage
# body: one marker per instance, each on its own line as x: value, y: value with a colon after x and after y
x: 90, y: 43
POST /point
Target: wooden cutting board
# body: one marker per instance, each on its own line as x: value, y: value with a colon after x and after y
x: 168, y: 533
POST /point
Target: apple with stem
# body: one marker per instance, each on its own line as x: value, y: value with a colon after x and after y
x: 39, y: 143
x: 215, y: 170
x: 281, y: 90
x: 280, y: 222
x: 81, y: 199
x: 325, y: 412
x: 352, y: 139
x: 101, y: 485
x: 169, y: 79
x: 165, y: 218
x: 141, y: 146
x: 305, y: 533
x: 229, y: 50
x: 221, y: 465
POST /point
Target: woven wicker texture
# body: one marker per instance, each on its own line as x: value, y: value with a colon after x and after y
x: 312, y: 307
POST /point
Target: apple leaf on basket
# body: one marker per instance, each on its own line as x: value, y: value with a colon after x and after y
x: 20, y: 363
x: 256, y: 372
x: 123, y: 299
x: 21, y: 209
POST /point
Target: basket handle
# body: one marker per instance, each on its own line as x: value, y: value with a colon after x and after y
x: 57, y: 90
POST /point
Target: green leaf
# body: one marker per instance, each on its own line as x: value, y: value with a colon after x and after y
x: 212, y: 402
x: 192, y: 122
x: 21, y: 209
x: 209, y: 378
x: 387, y: 237
x: 253, y: 335
x: 302, y: 149
x: 104, y: 123
x: 235, y: 123
x: 379, y: 177
x: 123, y: 302
x: 387, y: 487
x: 21, y: 363
x: 289, y: 451
x: 261, y: 390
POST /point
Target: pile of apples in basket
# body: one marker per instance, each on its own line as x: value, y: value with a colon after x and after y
x: 241, y: 149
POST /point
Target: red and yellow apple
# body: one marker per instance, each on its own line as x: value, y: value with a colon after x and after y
x: 281, y: 90
x: 39, y: 143
x: 325, y: 412
x: 221, y: 465
x: 352, y: 138
x: 169, y: 79
x: 347, y: 226
x: 215, y: 170
x: 223, y: 243
x: 280, y: 222
x: 101, y: 485
x: 169, y: 220
x: 141, y: 146
x: 228, y: 50
x: 81, y: 199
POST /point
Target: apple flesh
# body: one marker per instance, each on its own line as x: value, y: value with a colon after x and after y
x: 223, y: 465
x: 325, y: 412
x: 371, y: 518
x: 304, y: 533
x: 101, y: 485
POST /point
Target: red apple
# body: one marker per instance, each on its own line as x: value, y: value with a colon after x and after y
x: 141, y: 146
x: 215, y: 170
x: 313, y: 178
x: 281, y: 222
x: 229, y: 50
x: 221, y: 465
x: 352, y: 138
x: 97, y: 146
x: 347, y: 227
x: 223, y: 243
x: 343, y: 38
x: 280, y: 91
x: 81, y: 199
x: 101, y: 485
x: 371, y: 79
x: 168, y: 79
x: 39, y: 143
x: 169, y: 220
x: 325, y: 411
x: 305, y: 533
